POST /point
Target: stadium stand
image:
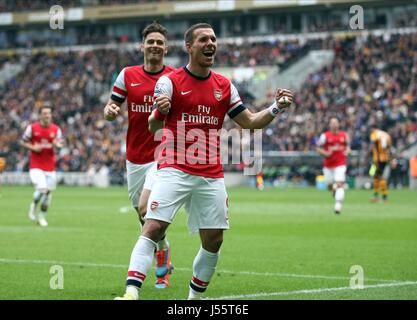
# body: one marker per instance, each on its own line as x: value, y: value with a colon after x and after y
x: 76, y: 83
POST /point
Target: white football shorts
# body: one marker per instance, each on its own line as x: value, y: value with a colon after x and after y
x: 43, y: 180
x: 205, y: 199
x: 336, y: 174
x: 139, y: 177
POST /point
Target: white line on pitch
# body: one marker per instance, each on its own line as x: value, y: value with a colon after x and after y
x: 322, y: 290
x: 263, y: 274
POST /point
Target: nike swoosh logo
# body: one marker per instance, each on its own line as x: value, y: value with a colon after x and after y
x: 185, y: 92
x: 135, y: 84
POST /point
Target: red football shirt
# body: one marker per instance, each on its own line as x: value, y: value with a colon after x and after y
x: 336, y: 144
x: 44, y: 136
x: 138, y: 86
x: 191, y: 132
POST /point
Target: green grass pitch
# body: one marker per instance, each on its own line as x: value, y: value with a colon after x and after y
x: 283, y: 244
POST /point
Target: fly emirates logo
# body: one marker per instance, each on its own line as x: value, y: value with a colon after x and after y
x: 203, y: 116
x: 145, y: 107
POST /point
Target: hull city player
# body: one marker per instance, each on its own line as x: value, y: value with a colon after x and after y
x: 381, y: 153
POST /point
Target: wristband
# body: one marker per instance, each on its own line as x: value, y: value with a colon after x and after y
x: 274, y: 110
x: 158, y: 115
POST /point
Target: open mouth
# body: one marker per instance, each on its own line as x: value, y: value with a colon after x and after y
x: 209, y: 53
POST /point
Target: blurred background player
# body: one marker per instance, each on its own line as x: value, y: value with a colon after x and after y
x: 381, y: 153
x: 136, y: 83
x: 334, y: 145
x: 41, y: 138
x: 2, y: 166
x: 260, y: 181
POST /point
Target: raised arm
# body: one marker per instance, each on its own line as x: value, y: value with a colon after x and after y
x: 258, y: 120
x: 157, y: 118
x: 162, y: 104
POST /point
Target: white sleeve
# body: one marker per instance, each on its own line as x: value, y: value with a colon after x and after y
x: 27, y: 135
x: 59, y: 134
x: 163, y: 87
x: 120, y: 81
x: 322, y: 140
x: 347, y: 140
x: 119, y: 91
x: 235, y: 105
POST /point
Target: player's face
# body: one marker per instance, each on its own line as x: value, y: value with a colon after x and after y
x: 46, y: 116
x: 154, y: 47
x: 334, y: 124
x: 204, y: 47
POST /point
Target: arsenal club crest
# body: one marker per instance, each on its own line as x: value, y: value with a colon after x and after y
x: 218, y: 94
x: 154, y: 205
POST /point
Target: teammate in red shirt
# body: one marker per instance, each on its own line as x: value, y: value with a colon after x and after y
x: 41, y: 138
x: 136, y: 85
x: 193, y: 100
x: 334, y: 145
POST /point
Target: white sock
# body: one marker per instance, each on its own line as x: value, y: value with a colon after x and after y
x: 204, y: 267
x: 163, y: 244
x: 339, y: 195
x: 42, y: 214
x: 133, y: 291
x: 194, y: 295
x: 37, y: 196
x: 140, y: 263
x: 32, y: 207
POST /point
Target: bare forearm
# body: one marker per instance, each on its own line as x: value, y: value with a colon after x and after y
x: 154, y: 124
x: 322, y: 152
x: 28, y: 145
x: 260, y: 120
x: 111, y: 110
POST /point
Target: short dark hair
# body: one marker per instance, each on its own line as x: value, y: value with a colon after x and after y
x: 154, y: 27
x: 189, y: 34
x: 45, y: 106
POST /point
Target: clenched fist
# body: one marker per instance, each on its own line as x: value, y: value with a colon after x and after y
x: 111, y: 111
x: 283, y: 98
x: 163, y: 104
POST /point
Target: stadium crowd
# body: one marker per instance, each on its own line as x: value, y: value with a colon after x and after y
x: 77, y: 85
x: 29, y: 5
x: 368, y: 83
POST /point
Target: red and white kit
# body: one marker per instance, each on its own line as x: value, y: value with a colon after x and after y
x: 190, y: 173
x: 334, y: 166
x: 137, y: 85
x: 42, y: 164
